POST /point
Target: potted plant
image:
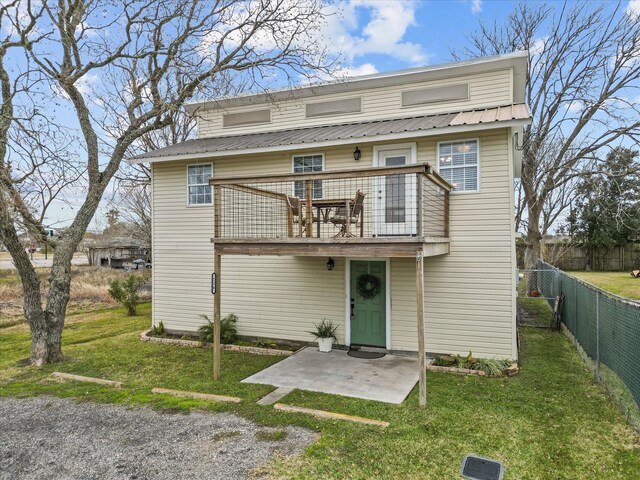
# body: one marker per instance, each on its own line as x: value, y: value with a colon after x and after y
x: 325, y: 333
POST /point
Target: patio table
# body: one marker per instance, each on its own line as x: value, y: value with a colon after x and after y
x: 325, y: 205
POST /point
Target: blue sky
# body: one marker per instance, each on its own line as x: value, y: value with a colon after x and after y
x: 383, y: 35
x: 389, y: 35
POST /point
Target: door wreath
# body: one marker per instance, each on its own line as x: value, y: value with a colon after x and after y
x: 368, y: 286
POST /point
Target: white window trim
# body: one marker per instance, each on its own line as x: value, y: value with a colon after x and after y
x: 454, y: 191
x: 293, y: 184
x: 413, y: 158
x: 197, y: 205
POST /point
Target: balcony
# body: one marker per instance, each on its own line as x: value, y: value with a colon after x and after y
x: 373, y: 212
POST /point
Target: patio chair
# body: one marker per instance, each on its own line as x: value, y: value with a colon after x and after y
x: 351, y: 213
x: 296, y: 216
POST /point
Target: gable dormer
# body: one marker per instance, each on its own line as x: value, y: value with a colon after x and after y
x: 454, y: 87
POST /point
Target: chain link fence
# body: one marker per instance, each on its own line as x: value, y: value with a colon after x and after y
x: 605, y: 326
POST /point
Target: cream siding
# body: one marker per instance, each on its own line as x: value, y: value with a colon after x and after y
x: 182, y: 259
x: 281, y: 297
x: 469, y: 294
x: 488, y: 89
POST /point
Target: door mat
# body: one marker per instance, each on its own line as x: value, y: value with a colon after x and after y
x: 368, y: 355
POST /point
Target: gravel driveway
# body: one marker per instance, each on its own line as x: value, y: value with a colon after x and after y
x: 47, y: 437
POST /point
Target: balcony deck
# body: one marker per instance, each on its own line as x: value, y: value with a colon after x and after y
x: 375, y: 212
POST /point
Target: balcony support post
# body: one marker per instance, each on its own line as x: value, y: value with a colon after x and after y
x: 422, y: 369
x: 217, y: 264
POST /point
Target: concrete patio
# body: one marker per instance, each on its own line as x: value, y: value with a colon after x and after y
x: 387, y: 379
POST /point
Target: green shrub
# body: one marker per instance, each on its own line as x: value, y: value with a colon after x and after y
x: 126, y: 292
x: 492, y: 367
x: 158, y: 329
x: 228, y: 332
x: 444, y: 361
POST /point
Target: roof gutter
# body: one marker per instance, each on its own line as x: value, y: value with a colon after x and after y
x: 330, y: 143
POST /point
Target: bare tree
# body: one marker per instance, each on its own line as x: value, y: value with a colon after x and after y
x: 582, y: 76
x: 133, y: 182
x: 121, y: 70
x: 135, y: 200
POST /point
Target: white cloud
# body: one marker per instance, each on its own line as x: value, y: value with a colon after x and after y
x: 633, y: 8
x: 18, y: 13
x: 384, y: 32
x: 574, y: 106
x: 236, y: 24
x: 538, y: 46
x: 347, y: 72
x: 351, y: 30
x: 476, y: 6
x: 85, y: 85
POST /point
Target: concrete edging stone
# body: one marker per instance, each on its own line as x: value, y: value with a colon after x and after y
x: 145, y: 337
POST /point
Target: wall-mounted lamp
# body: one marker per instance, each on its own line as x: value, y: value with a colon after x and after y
x: 357, y: 154
x: 330, y: 264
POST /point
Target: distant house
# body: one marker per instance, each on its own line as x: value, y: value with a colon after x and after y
x: 357, y: 201
x: 118, y: 253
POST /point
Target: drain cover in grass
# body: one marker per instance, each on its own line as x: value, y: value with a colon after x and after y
x: 477, y: 468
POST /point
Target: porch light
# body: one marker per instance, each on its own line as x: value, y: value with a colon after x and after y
x: 330, y: 264
x: 357, y: 154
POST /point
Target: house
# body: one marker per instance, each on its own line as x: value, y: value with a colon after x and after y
x: 118, y: 252
x: 339, y: 200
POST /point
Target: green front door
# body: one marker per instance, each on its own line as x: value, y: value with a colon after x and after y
x: 368, y: 303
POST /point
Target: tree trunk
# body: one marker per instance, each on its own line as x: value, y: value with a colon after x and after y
x: 46, y: 325
x: 46, y: 339
x: 533, y: 250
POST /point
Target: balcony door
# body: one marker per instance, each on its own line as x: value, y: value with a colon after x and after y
x: 395, y: 207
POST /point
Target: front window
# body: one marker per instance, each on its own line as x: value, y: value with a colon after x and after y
x: 199, y: 190
x: 458, y: 164
x: 307, y: 164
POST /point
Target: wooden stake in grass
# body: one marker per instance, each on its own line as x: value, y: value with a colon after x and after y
x: 80, y: 378
x: 197, y: 395
x: 329, y: 415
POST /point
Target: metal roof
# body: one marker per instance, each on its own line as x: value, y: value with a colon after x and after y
x: 309, y: 136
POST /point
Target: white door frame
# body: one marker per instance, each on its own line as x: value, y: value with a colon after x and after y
x: 411, y: 223
x: 347, y: 303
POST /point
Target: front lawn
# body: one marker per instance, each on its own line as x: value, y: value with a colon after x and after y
x: 619, y: 283
x: 549, y: 422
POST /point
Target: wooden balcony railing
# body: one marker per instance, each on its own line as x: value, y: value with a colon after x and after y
x: 410, y: 201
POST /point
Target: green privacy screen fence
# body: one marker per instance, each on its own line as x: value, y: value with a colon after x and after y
x: 606, y: 326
